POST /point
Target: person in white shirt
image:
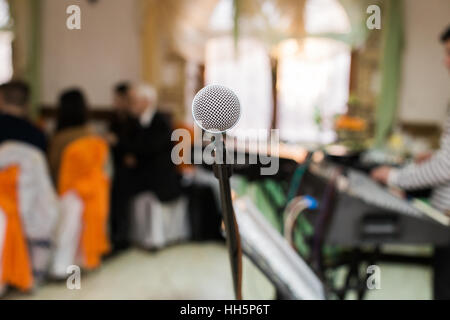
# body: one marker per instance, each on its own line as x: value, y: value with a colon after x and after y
x: 429, y: 171
x: 147, y: 157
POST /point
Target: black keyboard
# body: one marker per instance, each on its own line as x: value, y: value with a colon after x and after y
x: 365, y: 212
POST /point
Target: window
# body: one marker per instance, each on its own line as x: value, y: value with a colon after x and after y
x: 313, y: 76
x: 248, y: 73
x: 313, y: 86
x: 6, y: 37
x: 313, y: 72
x: 247, y: 70
x: 326, y: 16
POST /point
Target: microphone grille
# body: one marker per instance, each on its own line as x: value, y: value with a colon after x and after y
x: 216, y: 108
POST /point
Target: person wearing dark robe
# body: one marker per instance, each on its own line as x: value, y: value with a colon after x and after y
x: 143, y: 162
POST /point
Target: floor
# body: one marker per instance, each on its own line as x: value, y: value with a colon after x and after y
x: 192, y: 271
x: 403, y: 282
x: 201, y: 271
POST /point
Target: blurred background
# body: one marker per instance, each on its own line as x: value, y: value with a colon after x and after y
x: 293, y: 63
x: 310, y: 68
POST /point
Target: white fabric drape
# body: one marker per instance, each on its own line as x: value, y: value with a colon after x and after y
x: 67, y: 236
x: 38, y: 203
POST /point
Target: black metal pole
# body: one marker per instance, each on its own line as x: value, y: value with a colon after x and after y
x: 223, y: 173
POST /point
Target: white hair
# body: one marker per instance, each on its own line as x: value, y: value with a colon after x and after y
x: 147, y: 91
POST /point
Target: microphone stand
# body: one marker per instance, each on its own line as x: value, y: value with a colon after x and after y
x: 223, y: 173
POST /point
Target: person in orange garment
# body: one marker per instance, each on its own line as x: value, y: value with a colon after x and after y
x: 71, y: 124
x: 83, y: 173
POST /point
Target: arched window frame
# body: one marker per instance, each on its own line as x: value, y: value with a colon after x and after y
x: 336, y: 35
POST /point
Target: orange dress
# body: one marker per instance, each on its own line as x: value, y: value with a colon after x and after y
x: 83, y: 171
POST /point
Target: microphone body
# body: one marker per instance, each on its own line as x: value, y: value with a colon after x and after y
x: 217, y: 109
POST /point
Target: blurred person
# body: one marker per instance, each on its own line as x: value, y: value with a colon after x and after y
x: 122, y: 98
x: 14, y: 123
x: 121, y: 122
x: 79, y: 162
x: 84, y: 190
x: 429, y: 171
x: 145, y: 162
x: 72, y: 124
x: 122, y: 128
x: 150, y: 150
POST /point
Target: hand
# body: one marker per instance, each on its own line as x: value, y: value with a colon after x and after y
x: 130, y: 161
x: 424, y: 157
x: 381, y: 174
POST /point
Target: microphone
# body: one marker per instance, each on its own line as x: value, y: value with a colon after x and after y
x: 216, y: 109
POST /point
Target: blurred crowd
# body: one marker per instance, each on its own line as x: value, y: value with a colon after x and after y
x: 75, y: 196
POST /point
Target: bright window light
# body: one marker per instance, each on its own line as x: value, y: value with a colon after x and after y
x: 326, y: 16
x: 313, y: 73
x: 6, y: 37
x: 314, y: 76
x: 247, y: 71
x: 4, y: 14
x: 313, y: 86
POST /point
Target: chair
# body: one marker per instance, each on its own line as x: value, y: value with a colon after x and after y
x: 67, y: 235
x: 83, y: 187
x: 29, y: 211
x: 155, y: 224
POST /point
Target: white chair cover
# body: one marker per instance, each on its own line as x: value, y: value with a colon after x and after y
x: 38, y: 202
x: 155, y: 225
x: 67, y: 237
